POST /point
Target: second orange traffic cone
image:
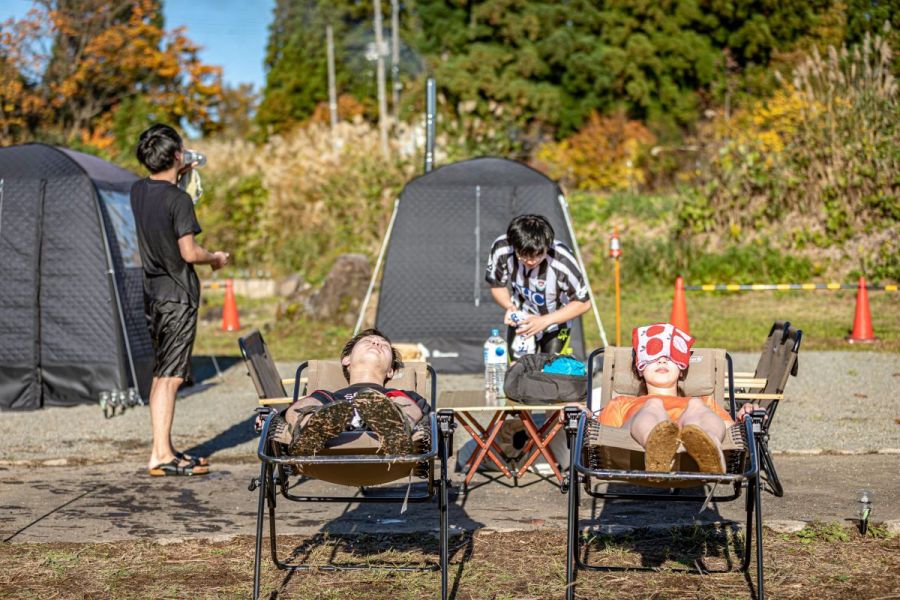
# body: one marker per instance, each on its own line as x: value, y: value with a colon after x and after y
x: 679, y: 317
x: 862, y: 321
x: 230, y: 319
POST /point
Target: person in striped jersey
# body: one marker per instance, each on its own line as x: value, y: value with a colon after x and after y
x: 530, y: 271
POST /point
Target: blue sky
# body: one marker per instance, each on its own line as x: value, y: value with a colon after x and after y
x: 233, y: 33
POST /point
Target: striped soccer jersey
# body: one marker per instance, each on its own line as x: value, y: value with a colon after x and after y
x: 547, y: 287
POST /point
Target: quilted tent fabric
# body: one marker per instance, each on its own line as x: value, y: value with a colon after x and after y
x: 433, y: 290
x: 61, y: 335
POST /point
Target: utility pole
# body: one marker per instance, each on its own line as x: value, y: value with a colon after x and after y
x: 379, y: 73
x: 395, y: 58
x: 430, y: 110
x: 332, y: 91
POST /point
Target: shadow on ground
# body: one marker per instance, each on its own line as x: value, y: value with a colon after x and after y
x: 339, y: 540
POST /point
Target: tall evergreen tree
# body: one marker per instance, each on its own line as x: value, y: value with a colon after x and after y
x: 553, y: 61
x: 297, y: 77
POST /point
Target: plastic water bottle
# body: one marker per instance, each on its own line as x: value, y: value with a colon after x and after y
x: 495, y: 363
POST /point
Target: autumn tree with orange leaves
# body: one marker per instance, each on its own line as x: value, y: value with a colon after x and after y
x: 85, y: 72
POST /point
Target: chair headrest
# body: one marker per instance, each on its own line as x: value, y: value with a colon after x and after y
x: 329, y: 375
x: 701, y: 379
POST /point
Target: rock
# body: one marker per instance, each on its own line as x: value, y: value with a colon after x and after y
x: 340, y: 297
x: 290, y: 285
x: 170, y: 541
x: 784, y: 526
x: 892, y: 526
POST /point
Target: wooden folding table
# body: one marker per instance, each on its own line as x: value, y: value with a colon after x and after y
x: 538, y: 443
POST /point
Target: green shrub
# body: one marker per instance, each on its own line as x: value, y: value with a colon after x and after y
x: 296, y: 202
x: 816, y: 163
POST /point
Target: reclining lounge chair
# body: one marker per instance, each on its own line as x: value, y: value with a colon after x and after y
x: 349, y: 459
x: 600, y: 454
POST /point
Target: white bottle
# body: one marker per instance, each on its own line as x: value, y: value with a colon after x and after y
x: 495, y: 363
x: 521, y: 344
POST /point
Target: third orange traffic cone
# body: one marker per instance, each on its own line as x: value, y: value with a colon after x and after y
x: 679, y: 316
x: 862, y: 321
x: 230, y: 320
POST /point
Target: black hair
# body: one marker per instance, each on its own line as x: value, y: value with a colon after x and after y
x: 530, y: 235
x: 157, y: 146
x: 396, y: 362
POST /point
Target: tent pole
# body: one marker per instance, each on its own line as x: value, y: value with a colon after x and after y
x: 477, y: 245
x: 111, y: 271
x: 387, y: 237
x: 565, y: 207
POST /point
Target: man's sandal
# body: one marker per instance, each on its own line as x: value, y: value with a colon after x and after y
x: 386, y: 419
x: 196, y: 461
x: 703, y: 449
x: 175, y: 468
x: 325, y: 423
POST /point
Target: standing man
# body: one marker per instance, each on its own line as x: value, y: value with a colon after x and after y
x: 166, y: 226
x: 529, y: 271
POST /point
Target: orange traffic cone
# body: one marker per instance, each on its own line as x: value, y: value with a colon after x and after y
x: 230, y: 320
x: 679, y: 316
x: 862, y: 322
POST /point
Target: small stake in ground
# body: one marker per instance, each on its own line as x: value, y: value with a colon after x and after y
x: 615, y: 252
x: 865, y: 509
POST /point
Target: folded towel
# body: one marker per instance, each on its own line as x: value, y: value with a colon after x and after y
x: 566, y: 365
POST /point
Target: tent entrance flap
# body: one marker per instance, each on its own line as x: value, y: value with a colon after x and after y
x: 427, y: 295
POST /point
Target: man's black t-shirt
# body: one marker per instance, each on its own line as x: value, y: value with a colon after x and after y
x: 163, y: 213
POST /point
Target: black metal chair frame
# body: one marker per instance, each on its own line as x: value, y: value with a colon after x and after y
x: 580, y: 473
x: 274, y: 478
x: 769, y: 476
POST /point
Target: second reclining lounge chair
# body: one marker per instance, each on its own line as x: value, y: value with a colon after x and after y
x: 600, y: 454
x: 778, y: 361
x: 349, y: 459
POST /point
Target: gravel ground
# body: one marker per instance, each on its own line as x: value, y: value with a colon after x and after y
x: 840, y: 402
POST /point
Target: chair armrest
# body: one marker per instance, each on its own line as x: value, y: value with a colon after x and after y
x: 274, y: 401
x: 757, y: 396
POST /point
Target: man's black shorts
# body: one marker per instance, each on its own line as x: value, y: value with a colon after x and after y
x: 173, y: 326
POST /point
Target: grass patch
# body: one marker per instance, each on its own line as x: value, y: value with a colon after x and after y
x: 736, y: 321
x: 483, y: 565
x: 740, y: 321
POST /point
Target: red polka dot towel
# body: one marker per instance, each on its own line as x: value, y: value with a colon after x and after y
x: 652, y: 342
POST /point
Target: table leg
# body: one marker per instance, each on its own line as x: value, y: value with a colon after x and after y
x: 485, y: 445
x: 483, y: 433
x: 541, y: 443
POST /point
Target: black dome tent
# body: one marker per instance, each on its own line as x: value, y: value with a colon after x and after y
x: 433, y: 291
x: 72, y: 319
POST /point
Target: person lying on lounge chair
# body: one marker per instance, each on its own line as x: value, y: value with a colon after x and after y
x: 369, y: 361
x: 660, y: 420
